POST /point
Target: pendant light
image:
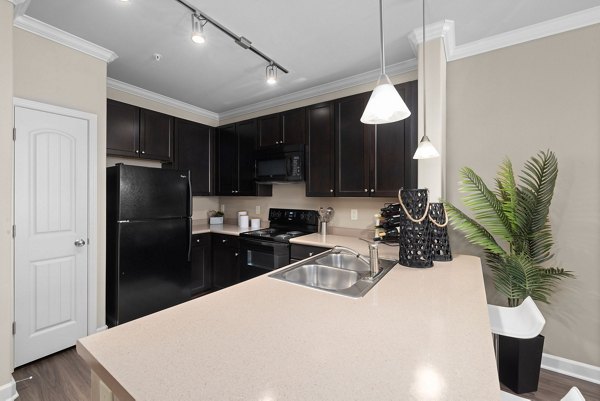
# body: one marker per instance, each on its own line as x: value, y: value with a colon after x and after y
x: 271, y: 73
x: 198, y: 29
x: 385, y: 104
x: 425, y: 150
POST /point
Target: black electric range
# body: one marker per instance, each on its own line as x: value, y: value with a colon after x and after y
x: 267, y: 249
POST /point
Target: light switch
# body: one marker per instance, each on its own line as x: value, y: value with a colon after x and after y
x: 353, y: 214
x: 257, y: 209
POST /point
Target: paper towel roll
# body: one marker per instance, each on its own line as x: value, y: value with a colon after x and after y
x: 255, y: 223
x: 240, y: 214
x: 244, y: 221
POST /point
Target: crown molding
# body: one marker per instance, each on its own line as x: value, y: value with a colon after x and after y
x: 551, y: 27
x: 437, y: 30
x: 20, y: 6
x: 341, y: 84
x: 156, y: 97
x: 64, y: 38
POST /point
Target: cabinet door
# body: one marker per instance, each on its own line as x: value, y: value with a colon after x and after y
x: 246, y: 132
x: 293, y: 124
x: 392, y: 165
x: 156, y: 135
x: 201, y: 269
x: 194, y: 152
x: 226, y: 160
x: 122, y: 129
x: 352, y: 147
x: 225, y: 261
x: 269, y: 131
x: 320, y: 153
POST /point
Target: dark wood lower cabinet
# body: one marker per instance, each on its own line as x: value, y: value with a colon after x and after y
x: 225, y: 260
x: 201, y: 268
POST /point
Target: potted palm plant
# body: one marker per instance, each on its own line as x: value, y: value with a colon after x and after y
x: 512, y: 226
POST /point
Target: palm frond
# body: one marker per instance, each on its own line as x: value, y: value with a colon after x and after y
x: 539, y: 177
x: 474, y: 232
x: 486, y: 207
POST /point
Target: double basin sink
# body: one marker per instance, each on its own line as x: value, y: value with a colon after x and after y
x: 336, y: 272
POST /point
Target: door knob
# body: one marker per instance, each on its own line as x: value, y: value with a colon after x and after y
x: 79, y: 243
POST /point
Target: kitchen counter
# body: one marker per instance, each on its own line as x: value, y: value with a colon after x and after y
x: 419, y: 334
x: 229, y: 229
x: 330, y: 240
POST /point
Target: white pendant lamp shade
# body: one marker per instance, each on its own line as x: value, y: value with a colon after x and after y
x: 385, y: 104
x: 426, y: 150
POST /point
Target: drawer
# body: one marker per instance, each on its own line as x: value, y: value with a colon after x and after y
x: 225, y: 240
x: 201, y: 239
x: 299, y: 252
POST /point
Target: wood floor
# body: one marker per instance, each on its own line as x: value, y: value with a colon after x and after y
x: 65, y: 377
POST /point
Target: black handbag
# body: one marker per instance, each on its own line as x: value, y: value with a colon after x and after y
x: 415, y: 228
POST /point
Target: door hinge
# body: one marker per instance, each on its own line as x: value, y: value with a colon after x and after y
x: 14, y: 328
x: 14, y: 134
x: 14, y: 233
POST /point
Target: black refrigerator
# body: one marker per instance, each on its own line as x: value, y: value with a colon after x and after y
x: 148, y: 241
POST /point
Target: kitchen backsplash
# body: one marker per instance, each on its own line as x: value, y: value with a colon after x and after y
x: 293, y: 196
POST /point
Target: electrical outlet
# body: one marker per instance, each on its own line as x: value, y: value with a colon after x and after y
x: 257, y: 211
x: 353, y: 214
x: 223, y: 208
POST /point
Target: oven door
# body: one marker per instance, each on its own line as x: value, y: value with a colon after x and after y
x: 260, y: 257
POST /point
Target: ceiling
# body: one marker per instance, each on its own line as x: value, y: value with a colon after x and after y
x: 317, y: 41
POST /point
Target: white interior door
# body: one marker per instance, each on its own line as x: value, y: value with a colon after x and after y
x: 51, y: 219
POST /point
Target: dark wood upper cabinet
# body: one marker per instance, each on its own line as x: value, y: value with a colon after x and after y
x: 122, y: 129
x: 320, y: 166
x: 353, y: 147
x: 293, y: 123
x: 236, y: 158
x: 394, y: 144
x: 156, y: 135
x: 246, y: 136
x: 135, y: 132
x: 287, y: 128
x: 269, y: 130
x: 194, y: 151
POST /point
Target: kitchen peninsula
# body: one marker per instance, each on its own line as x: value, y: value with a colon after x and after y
x: 419, y: 334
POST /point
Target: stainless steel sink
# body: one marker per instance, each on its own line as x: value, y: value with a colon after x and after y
x: 338, y: 273
x: 344, y: 261
x: 321, y: 276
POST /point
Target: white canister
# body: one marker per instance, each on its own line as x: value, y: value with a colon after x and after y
x: 244, y: 221
x: 239, y: 215
x: 255, y: 223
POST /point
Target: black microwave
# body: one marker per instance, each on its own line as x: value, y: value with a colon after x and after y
x: 283, y: 163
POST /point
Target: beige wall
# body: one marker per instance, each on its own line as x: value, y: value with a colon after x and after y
x: 539, y: 95
x: 6, y: 176
x: 48, y: 72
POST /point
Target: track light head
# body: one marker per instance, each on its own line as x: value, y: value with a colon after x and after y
x: 271, y: 74
x: 198, y: 29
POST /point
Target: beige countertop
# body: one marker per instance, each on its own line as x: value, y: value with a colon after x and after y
x: 229, y: 229
x: 419, y: 334
x: 330, y: 240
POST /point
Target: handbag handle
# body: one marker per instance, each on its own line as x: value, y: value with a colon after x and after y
x: 413, y: 219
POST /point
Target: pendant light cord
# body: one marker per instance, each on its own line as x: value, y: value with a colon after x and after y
x: 424, y: 87
x: 381, y: 39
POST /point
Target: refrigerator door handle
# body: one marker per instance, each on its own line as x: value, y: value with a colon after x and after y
x: 189, y: 257
x: 191, y: 197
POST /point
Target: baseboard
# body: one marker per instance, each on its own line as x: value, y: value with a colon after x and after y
x: 571, y: 368
x: 8, y: 391
x: 101, y: 328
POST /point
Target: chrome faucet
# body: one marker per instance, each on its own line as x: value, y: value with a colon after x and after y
x: 373, y: 260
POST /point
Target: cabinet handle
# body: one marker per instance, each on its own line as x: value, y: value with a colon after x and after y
x: 331, y: 190
x: 236, y: 254
x: 310, y: 254
x: 143, y: 152
x: 137, y: 151
x: 366, y: 190
x: 372, y: 190
x: 198, y: 241
x: 224, y: 241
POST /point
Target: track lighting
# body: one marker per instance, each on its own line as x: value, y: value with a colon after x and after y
x: 425, y: 150
x: 271, y: 74
x: 198, y: 29
x: 385, y: 104
x: 199, y: 19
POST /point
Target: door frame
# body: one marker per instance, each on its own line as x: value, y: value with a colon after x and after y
x: 92, y: 261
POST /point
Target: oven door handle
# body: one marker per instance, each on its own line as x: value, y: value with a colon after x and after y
x: 269, y: 244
